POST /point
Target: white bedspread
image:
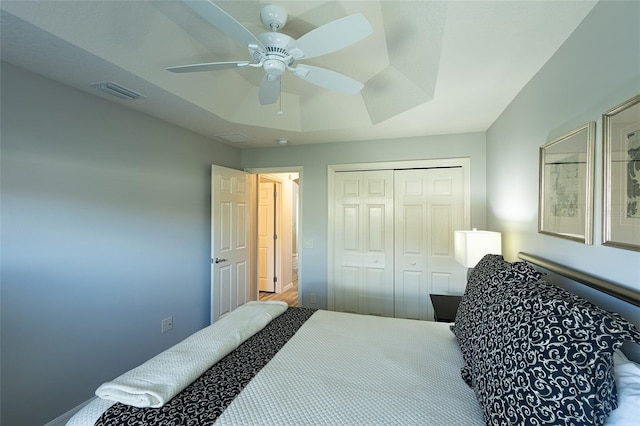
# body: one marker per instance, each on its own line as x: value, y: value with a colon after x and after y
x: 158, y: 380
x: 347, y: 369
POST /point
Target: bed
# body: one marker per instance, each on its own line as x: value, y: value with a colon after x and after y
x: 522, y: 351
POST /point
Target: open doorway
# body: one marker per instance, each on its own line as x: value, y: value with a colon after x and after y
x: 277, y: 231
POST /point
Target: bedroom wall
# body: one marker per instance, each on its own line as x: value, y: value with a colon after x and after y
x: 596, y: 69
x: 105, y: 232
x: 314, y: 160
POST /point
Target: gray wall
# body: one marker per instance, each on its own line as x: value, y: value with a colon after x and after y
x: 105, y: 232
x: 105, y: 212
x: 314, y: 203
x: 596, y: 69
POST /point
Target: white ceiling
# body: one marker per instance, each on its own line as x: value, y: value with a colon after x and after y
x: 430, y: 67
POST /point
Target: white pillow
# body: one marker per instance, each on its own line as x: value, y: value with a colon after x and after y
x: 627, y: 376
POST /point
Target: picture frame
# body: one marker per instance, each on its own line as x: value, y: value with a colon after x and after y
x: 621, y: 170
x: 565, y: 202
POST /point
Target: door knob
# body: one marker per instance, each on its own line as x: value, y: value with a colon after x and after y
x: 218, y: 260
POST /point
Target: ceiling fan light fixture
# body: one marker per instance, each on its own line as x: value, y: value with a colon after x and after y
x: 274, y: 67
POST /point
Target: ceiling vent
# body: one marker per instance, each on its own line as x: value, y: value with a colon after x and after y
x: 114, y: 89
x: 233, y: 137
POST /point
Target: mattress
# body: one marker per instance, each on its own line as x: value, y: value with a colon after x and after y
x: 338, y: 368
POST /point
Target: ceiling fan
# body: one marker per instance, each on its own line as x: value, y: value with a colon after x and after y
x: 276, y: 52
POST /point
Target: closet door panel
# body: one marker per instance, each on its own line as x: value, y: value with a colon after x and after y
x: 350, y: 222
x: 375, y: 229
x: 407, y: 305
x: 445, y: 204
x: 363, y: 227
x: 412, y: 230
x: 347, y: 253
x: 411, y: 250
x: 377, y: 249
x: 441, y: 229
x: 441, y: 283
x: 347, y: 294
x: 375, y: 295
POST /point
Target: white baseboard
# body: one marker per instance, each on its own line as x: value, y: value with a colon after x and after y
x: 63, y: 419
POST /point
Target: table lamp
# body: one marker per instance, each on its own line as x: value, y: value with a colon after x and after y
x: 471, y: 246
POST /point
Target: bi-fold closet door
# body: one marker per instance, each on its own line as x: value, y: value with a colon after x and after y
x: 393, y: 240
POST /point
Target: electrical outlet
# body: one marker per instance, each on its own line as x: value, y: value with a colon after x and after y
x: 167, y: 324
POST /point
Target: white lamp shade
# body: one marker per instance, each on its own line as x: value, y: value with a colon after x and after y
x: 471, y: 246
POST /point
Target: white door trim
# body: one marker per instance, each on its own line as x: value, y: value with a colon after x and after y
x: 332, y: 169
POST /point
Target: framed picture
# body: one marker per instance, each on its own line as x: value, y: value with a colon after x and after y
x: 621, y: 210
x: 565, y: 206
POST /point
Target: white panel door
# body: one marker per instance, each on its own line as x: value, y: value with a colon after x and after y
x: 230, y: 240
x: 363, y: 252
x: 428, y: 207
x: 266, y: 233
x: 411, y: 249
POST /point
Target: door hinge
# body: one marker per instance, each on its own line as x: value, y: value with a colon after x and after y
x: 275, y: 279
x: 275, y: 236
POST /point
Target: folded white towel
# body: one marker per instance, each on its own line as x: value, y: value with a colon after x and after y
x: 158, y: 380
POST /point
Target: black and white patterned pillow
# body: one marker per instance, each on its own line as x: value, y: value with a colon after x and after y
x: 545, y: 356
x: 487, y: 279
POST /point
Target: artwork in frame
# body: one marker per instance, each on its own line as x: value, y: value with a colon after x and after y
x: 621, y: 210
x: 565, y: 206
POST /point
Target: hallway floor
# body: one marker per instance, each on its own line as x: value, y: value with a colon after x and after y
x: 290, y: 296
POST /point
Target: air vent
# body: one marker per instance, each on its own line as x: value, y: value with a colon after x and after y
x: 233, y: 137
x: 114, y: 89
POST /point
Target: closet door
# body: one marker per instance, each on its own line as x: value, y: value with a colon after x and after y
x: 363, y: 252
x: 428, y: 207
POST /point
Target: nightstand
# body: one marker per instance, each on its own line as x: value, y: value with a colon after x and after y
x: 445, y: 307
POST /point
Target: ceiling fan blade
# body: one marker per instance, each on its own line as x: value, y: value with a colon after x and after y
x: 328, y: 79
x: 269, y: 90
x: 211, y: 66
x: 224, y: 22
x: 334, y: 36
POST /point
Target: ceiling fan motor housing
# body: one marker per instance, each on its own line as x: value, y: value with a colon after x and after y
x: 277, y: 52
